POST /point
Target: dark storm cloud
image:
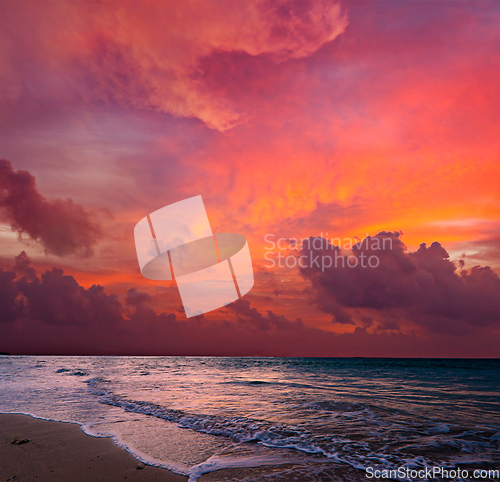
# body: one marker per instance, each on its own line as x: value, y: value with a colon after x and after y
x: 61, y: 226
x: 254, y: 318
x: 52, y: 314
x: 53, y: 298
x: 425, y: 285
x: 9, y: 309
x: 136, y: 298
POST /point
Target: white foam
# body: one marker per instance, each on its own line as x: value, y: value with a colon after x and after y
x: 440, y: 428
x: 217, y: 462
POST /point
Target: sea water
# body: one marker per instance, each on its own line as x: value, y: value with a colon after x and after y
x: 194, y: 415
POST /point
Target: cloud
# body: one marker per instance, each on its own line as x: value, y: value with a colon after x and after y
x: 149, y: 55
x: 483, y: 249
x: 333, y: 126
x: 62, y: 227
x: 55, y: 298
x: 52, y: 314
x: 324, y: 217
x: 423, y: 286
x: 9, y: 309
x: 263, y: 323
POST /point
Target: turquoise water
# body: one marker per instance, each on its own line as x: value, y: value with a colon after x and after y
x: 196, y: 414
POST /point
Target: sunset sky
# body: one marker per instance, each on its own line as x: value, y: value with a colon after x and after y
x: 289, y: 118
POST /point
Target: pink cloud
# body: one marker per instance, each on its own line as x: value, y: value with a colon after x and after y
x: 147, y: 55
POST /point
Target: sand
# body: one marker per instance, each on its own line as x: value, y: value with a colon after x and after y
x: 61, y: 452
x: 40, y: 450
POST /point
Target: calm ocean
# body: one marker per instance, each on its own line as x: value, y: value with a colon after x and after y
x: 305, y: 417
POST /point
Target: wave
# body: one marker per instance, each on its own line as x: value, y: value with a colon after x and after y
x: 237, y: 428
x: 360, y: 439
x: 256, y: 383
x: 76, y: 373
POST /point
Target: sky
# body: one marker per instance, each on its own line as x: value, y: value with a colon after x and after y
x: 344, y: 122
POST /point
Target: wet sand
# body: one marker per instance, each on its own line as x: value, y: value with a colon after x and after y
x: 40, y: 450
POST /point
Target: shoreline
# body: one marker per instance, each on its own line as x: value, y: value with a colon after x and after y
x: 45, y: 450
x: 36, y: 449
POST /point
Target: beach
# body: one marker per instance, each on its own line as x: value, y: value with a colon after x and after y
x: 45, y: 450
x: 243, y: 419
x: 58, y: 451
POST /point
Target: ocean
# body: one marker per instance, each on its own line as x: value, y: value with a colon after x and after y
x: 278, y: 418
